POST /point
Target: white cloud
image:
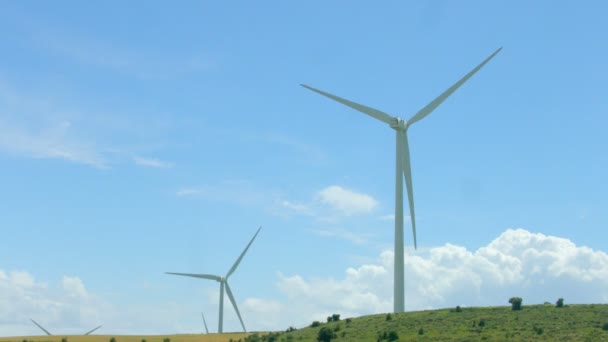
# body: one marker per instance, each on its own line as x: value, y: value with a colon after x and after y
x: 297, y: 208
x: 330, y: 204
x: 34, y: 127
x: 237, y: 192
x: 152, y: 162
x: 536, y: 267
x: 346, y: 201
x: 52, y: 142
x: 533, y: 266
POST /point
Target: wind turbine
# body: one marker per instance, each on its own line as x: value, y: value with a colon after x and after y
x: 48, y: 333
x: 403, y: 168
x: 224, y: 285
x: 205, y: 322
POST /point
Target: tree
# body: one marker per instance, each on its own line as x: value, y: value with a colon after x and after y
x: 315, y: 324
x: 335, y: 317
x: 515, y: 303
x: 325, y: 335
x: 560, y: 303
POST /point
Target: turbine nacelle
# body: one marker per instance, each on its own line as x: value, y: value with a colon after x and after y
x: 398, y: 124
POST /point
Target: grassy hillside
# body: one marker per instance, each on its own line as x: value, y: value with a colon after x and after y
x: 535, y: 322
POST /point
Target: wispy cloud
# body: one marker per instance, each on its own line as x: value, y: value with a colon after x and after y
x: 332, y: 203
x: 235, y: 192
x: 152, y: 162
x: 51, y: 142
x: 346, y: 201
x: 93, y: 51
x: 37, y: 128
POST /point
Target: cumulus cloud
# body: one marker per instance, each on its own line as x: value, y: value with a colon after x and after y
x: 22, y: 297
x: 533, y: 266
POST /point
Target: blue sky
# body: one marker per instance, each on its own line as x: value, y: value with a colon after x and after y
x: 149, y: 137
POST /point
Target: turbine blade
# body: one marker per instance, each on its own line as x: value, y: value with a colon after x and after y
x: 205, y: 322
x: 204, y: 276
x: 229, y: 292
x: 238, y: 261
x: 88, y: 333
x: 436, y: 102
x: 382, y: 116
x: 40, y: 326
x: 407, y: 172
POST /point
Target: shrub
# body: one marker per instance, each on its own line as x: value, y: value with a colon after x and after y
x: 64, y: 339
x: 348, y: 320
x: 393, y: 336
x: 113, y: 339
x: 143, y: 340
x: 515, y: 303
x: 389, y: 317
x: 290, y: 329
x: 166, y: 339
x: 335, y: 317
x: 325, y: 334
x: 482, y: 323
x: 420, y: 331
x: 329, y: 319
x: 559, y: 303
x: 337, y: 327
x: 605, y: 326
x: 315, y: 324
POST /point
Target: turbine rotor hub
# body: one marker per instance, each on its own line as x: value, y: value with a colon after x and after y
x: 399, y: 124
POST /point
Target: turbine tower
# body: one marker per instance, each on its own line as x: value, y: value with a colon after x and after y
x: 205, y: 322
x: 224, y: 285
x: 403, y: 168
x: 48, y: 333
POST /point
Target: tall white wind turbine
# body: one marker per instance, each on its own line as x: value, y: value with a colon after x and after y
x: 403, y: 168
x: 224, y: 285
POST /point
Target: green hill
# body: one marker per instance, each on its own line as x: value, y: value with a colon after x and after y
x: 534, y: 322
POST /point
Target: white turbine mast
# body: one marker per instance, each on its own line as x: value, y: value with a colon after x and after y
x: 224, y: 286
x: 403, y: 168
x: 48, y: 333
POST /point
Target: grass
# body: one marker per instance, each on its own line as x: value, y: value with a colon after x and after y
x: 533, y: 322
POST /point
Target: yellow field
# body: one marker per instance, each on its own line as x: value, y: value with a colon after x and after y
x: 130, y: 338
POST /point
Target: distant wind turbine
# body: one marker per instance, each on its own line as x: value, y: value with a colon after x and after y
x: 205, y: 322
x: 403, y: 168
x: 48, y: 333
x: 224, y: 285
